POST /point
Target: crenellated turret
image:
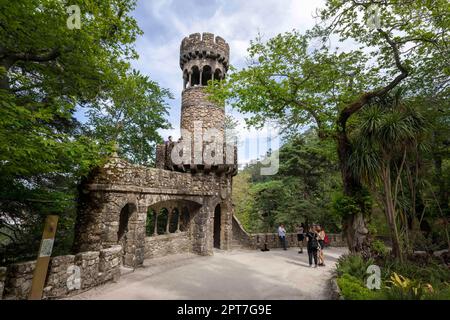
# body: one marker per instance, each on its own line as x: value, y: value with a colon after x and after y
x: 202, y: 58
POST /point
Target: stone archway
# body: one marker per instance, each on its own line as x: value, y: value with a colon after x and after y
x: 124, y: 236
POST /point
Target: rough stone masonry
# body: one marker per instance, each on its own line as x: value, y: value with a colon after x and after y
x: 174, y: 207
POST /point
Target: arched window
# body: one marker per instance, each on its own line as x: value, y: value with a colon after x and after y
x: 206, y: 75
x: 150, y: 224
x: 184, y: 223
x: 218, y: 74
x: 195, y: 77
x: 173, y: 227
x: 162, y: 221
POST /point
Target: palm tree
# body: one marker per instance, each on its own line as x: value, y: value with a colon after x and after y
x: 384, y: 135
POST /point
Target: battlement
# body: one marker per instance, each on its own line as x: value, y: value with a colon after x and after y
x: 201, y: 46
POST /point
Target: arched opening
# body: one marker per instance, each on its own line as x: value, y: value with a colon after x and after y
x: 125, y: 215
x: 218, y: 75
x: 150, y: 223
x: 173, y: 224
x: 162, y: 221
x: 125, y: 233
x: 206, y: 75
x: 217, y: 226
x: 184, y: 219
x: 195, y: 77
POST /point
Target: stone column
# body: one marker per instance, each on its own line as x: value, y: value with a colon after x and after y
x: 203, y: 230
x: 226, y: 223
x: 169, y: 218
x: 139, y: 238
x: 190, y: 80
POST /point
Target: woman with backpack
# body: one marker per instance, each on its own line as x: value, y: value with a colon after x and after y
x: 312, y: 246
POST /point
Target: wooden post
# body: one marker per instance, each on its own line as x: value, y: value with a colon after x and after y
x: 45, y: 251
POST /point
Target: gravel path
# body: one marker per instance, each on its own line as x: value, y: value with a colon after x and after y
x: 234, y: 275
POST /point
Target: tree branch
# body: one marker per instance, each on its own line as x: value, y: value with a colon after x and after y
x: 366, y: 97
x: 49, y: 56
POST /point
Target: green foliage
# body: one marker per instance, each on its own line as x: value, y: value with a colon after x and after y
x: 343, y: 205
x: 428, y: 271
x: 299, y: 193
x: 353, y: 288
x: 354, y: 265
x: 138, y: 109
x: 411, y: 280
x: 298, y: 81
x: 402, y: 288
x: 47, y: 72
x: 378, y: 247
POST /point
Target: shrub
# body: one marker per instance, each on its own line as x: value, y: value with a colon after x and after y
x: 403, y: 288
x: 441, y: 294
x: 430, y: 271
x: 353, y: 288
x: 353, y: 265
x: 379, y: 248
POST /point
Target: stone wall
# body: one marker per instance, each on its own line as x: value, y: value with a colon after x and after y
x: 167, y: 244
x: 119, y: 175
x: 117, y: 184
x: 257, y: 240
x: 95, y: 268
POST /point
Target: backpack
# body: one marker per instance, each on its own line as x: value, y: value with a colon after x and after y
x: 314, y: 244
x: 326, y: 240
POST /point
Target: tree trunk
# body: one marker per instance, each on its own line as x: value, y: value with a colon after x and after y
x: 355, y: 230
x: 390, y: 214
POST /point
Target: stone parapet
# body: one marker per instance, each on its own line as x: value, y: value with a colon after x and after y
x: 204, y: 46
x: 163, y: 245
x: 67, y: 275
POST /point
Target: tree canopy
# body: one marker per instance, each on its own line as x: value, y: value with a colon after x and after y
x: 48, y: 71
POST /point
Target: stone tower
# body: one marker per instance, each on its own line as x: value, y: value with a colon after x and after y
x: 203, y: 57
x: 178, y: 206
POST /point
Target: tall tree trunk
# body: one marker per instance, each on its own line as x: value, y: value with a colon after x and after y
x: 354, y: 226
x: 390, y: 213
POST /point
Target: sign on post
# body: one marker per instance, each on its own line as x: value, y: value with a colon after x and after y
x: 45, y: 251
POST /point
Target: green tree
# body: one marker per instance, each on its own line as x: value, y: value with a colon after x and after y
x: 131, y: 118
x: 288, y: 81
x: 47, y: 71
x: 387, y: 133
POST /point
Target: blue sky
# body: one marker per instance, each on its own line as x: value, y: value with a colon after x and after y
x: 166, y: 22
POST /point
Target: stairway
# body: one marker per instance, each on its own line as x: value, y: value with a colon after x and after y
x: 235, y: 245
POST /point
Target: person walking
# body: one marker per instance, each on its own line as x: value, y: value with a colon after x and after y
x: 312, y: 246
x: 321, y: 239
x: 300, y: 236
x: 282, y: 236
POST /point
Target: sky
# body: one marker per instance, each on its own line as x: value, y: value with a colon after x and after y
x: 166, y: 22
